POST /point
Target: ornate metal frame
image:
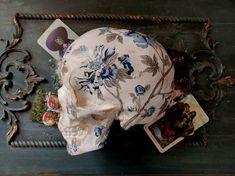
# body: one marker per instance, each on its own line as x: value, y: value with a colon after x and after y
x: 13, y: 102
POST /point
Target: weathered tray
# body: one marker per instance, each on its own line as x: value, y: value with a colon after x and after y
x: 25, y: 68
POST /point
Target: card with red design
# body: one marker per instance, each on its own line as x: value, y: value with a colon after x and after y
x: 179, y: 121
x: 57, y: 39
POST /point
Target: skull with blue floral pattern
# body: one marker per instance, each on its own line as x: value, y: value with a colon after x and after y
x: 111, y: 74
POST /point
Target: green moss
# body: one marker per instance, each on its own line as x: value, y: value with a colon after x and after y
x: 39, y: 107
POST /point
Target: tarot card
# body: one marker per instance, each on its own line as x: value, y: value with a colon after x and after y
x: 57, y: 39
x: 179, y: 121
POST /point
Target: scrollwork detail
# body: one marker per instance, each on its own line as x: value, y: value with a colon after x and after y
x: 11, y: 102
x: 209, y: 90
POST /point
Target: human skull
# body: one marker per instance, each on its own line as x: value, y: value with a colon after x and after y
x: 111, y: 74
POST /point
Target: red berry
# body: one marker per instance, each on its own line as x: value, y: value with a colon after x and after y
x: 50, y: 118
x: 53, y: 102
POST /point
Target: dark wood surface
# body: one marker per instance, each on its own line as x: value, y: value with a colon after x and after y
x: 122, y: 158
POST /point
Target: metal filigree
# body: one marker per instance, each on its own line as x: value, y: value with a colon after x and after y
x: 208, y: 78
x: 12, y: 96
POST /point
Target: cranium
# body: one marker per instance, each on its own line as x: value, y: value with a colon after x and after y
x: 111, y: 74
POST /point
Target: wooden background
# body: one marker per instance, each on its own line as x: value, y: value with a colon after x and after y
x: 217, y: 158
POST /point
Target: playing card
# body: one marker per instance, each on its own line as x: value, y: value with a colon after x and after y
x: 180, y: 120
x: 57, y: 39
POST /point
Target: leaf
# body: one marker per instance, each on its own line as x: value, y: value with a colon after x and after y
x: 155, y: 60
x: 100, y: 95
x: 112, y: 59
x: 107, y: 83
x: 112, y: 83
x: 134, y: 99
x: 82, y: 49
x: 120, y: 39
x: 121, y: 71
x: 149, y: 69
x: 122, y: 74
x: 161, y: 49
x: 167, y: 60
x: 120, y: 78
x: 147, y: 60
x: 132, y: 94
x: 102, y: 32
x: 154, y: 72
x: 110, y: 37
x: 147, y: 87
x: 163, y: 107
x: 115, y: 83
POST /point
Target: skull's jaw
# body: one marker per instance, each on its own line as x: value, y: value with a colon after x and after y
x: 84, y: 128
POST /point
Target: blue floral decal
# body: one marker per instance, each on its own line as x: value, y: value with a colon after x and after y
x: 104, y: 30
x: 150, y: 111
x: 101, y: 132
x: 141, y: 40
x: 151, y: 63
x: 102, y: 71
x: 109, y: 73
x: 74, y: 147
x: 98, y: 131
x: 139, y: 90
x: 136, y: 99
x: 125, y: 61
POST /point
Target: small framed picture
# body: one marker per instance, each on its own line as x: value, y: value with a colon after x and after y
x: 180, y: 120
x: 57, y: 39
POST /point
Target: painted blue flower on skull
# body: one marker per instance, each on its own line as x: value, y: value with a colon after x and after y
x: 125, y: 61
x: 98, y: 131
x: 74, y: 147
x: 104, y: 30
x: 139, y: 90
x: 103, y: 70
x: 150, y: 111
x: 141, y: 40
x: 109, y: 72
